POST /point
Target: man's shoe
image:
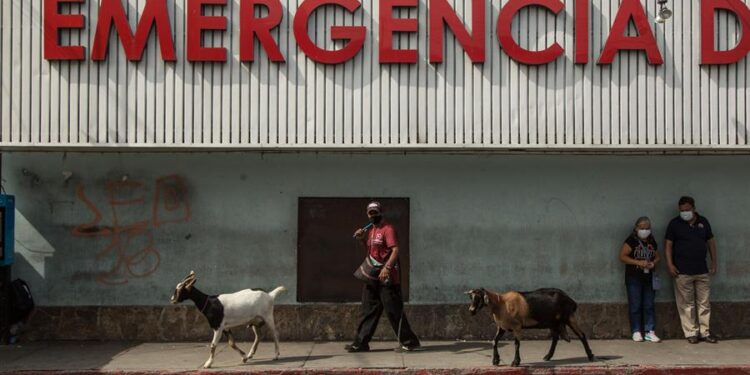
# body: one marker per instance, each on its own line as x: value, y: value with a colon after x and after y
x: 711, y: 339
x: 637, y: 337
x: 412, y: 348
x: 354, y: 348
x: 693, y: 339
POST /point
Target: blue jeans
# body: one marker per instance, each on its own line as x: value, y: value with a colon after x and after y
x: 641, y: 297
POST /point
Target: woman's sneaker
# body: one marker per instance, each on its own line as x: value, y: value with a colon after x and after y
x: 651, y: 336
x: 637, y: 337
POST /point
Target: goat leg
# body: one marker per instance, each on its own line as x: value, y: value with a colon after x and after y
x: 272, y: 326
x: 495, y: 354
x: 573, y: 324
x: 251, y: 353
x: 564, y: 333
x: 517, y: 358
x: 214, y: 343
x: 555, y: 337
x: 232, y: 343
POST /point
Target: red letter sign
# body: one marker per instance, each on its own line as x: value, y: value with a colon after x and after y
x: 441, y: 13
x: 618, y: 41
x: 709, y: 54
x: 196, y: 23
x: 355, y: 34
x: 154, y: 13
x: 251, y: 26
x: 53, y: 23
x: 512, y: 48
x: 389, y: 25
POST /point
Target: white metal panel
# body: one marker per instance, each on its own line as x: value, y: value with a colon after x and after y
x: 499, y: 104
x: 17, y: 82
x: 5, y: 65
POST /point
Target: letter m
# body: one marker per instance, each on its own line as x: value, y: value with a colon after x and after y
x: 154, y: 13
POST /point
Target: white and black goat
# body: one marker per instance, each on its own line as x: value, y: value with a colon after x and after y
x: 253, y: 308
x: 543, y: 308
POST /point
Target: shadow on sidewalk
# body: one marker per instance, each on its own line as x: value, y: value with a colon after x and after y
x: 71, y: 355
x: 461, y: 347
x: 283, y: 360
x: 572, y: 361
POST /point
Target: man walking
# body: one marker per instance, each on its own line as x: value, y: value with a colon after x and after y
x: 382, y: 246
x: 688, y: 239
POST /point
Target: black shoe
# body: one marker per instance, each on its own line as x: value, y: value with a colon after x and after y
x: 693, y: 339
x: 711, y: 339
x: 354, y: 348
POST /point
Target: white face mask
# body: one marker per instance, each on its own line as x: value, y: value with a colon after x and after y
x: 686, y: 215
x: 644, y: 233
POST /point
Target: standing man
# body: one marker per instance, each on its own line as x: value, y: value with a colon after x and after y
x: 382, y: 246
x: 688, y: 239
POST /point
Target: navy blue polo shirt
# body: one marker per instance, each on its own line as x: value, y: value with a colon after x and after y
x: 690, y: 244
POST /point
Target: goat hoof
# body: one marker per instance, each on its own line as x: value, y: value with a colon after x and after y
x: 515, y: 363
x: 548, y: 357
x: 592, y: 358
x: 496, y: 362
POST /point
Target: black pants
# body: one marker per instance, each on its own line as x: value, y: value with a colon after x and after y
x: 375, y: 299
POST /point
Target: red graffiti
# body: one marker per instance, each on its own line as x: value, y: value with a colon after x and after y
x: 170, y: 191
x: 131, y: 253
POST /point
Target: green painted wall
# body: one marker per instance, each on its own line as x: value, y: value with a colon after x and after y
x: 497, y: 221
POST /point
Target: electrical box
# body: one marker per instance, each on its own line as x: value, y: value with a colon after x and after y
x: 7, y: 228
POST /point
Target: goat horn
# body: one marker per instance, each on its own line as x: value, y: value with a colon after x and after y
x: 467, y: 292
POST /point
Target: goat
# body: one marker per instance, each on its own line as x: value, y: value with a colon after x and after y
x: 253, y: 308
x: 543, y: 308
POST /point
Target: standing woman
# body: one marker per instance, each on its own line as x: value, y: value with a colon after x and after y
x: 640, y: 257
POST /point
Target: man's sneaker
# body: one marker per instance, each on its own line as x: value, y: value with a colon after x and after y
x: 354, y: 348
x: 637, y: 337
x: 693, y: 339
x: 412, y: 348
x: 711, y: 339
x: 651, y: 336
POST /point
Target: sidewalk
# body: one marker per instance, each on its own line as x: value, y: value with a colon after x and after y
x: 444, y: 357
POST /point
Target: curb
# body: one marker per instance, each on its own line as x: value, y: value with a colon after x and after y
x: 608, y: 370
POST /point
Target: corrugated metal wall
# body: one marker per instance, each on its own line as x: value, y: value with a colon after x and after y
x: 362, y: 104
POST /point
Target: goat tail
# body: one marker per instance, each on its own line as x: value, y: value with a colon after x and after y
x: 277, y: 291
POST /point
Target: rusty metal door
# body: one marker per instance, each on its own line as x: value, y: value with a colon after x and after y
x: 327, y: 255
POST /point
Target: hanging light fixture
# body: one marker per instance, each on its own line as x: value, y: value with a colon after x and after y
x: 664, y: 13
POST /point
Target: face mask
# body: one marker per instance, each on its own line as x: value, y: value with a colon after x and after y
x: 375, y: 219
x: 644, y: 233
x: 686, y: 215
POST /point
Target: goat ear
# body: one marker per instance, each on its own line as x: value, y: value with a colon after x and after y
x: 486, y: 299
x: 190, y: 283
x: 190, y: 276
x: 468, y: 292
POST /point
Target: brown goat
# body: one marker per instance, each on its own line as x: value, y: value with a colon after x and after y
x: 543, y: 308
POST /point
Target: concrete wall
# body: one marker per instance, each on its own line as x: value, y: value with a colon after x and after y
x: 498, y: 221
